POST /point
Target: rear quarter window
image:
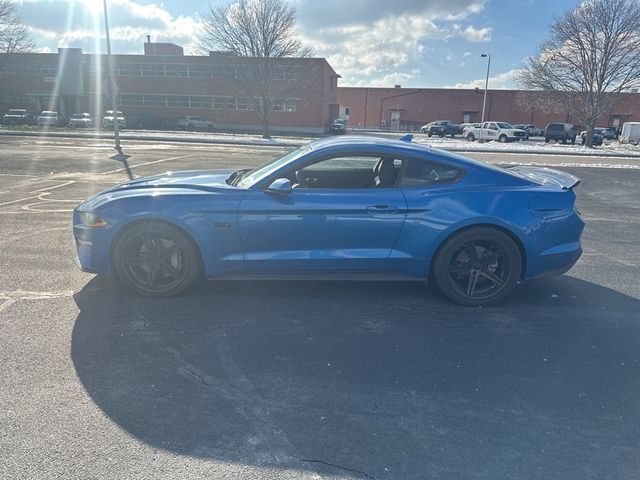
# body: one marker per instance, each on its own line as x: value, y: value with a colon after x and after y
x: 424, y: 173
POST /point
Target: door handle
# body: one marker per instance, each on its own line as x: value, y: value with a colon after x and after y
x: 383, y: 209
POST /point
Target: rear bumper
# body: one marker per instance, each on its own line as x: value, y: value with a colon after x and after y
x: 556, y: 262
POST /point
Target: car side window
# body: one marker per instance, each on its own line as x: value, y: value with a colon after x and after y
x: 424, y: 173
x: 348, y: 171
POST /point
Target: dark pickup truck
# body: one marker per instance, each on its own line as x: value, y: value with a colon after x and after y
x: 441, y: 128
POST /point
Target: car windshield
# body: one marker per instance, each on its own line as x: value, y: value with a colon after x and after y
x: 48, y: 114
x: 80, y: 115
x: 338, y: 120
x: 504, y: 125
x: 17, y: 112
x: 254, y: 176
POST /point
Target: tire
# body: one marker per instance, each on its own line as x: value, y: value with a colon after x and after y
x: 564, y: 141
x: 156, y: 259
x: 546, y: 139
x: 422, y: 130
x: 429, y: 134
x: 573, y: 140
x: 503, y: 139
x: 478, y: 266
x: 471, y: 137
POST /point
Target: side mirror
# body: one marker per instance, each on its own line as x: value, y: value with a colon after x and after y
x: 280, y: 185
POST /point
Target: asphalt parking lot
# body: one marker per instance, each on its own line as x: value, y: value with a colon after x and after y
x: 306, y: 380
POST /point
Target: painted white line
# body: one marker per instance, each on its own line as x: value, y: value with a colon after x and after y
x: 148, y: 163
x: 21, y: 200
x: 70, y: 182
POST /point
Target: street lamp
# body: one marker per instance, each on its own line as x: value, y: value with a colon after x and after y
x: 486, y: 85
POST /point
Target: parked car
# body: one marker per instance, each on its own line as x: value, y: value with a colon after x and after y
x: 145, y: 121
x: 532, y: 130
x: 194, y: 123
x: 81, y: 120
x: 464, y: 126
x: 630, y: 133
x: 15, y: 116
x: 107, y: 120
x: 560, y: 132
x: 338, y: 126
x: 609, y: 133
x: 340, y: 205
x: 48, y: 119
x: 441, y: 128
x: 500, y: 131
x: 598, y: 137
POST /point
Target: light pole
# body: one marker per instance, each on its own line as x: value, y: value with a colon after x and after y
x: 486, y: 86
x: 112, y: 93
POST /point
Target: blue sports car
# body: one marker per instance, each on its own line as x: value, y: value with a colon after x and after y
x: 338, y: 208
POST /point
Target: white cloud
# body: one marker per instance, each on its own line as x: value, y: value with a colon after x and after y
x: 364, y: 53
x: 504, y: 80
x: 472, y: 33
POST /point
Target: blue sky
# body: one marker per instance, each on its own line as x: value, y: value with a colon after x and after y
x: 427, y: 43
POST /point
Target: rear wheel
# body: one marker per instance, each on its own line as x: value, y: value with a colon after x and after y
x: 479, y: 266
x: 471, y: 137
x: 156, y: 260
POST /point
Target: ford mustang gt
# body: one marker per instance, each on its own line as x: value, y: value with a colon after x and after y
x: 338, y: 208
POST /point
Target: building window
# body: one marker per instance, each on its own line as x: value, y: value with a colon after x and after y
x: 154, y: 100
x: 177, y: 101
x: 201, y: 102
x: 153, y: 70
x: 132, y: 69
x: 131, y: 100
x: 176, y: 70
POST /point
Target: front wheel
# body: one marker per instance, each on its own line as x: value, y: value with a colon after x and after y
x: 478, y: 266
x: 502, y: 139
x: 156, y: 260
x: 429, y: 134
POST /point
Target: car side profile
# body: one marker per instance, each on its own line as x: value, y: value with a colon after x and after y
x: 194, y: 123
x: 338, y: 208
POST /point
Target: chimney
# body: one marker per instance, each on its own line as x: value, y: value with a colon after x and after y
x: 148, y: 38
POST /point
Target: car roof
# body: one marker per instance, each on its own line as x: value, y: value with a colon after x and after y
x: 353, y: 142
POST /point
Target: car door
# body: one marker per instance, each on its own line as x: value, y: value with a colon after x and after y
x: 338, y: 218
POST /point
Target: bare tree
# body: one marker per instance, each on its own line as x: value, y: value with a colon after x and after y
x: 259, y: 32
x: 591, y: 56
x: 14, y: 35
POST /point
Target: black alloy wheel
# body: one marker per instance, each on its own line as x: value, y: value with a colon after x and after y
x: 156, y: 259
x: 479, y: 266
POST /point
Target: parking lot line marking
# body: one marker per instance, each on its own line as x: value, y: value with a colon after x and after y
x: 70, y: 182
x: 19, y: 200
x: 148, y: 163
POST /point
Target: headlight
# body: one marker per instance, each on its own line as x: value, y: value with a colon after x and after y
x: 90, y: 219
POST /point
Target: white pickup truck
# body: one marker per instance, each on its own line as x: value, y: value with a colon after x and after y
x: 500, y: 131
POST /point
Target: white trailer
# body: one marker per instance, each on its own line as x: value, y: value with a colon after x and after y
x: 630, y: 132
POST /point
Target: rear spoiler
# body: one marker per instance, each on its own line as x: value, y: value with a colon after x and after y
x: 546, y: 176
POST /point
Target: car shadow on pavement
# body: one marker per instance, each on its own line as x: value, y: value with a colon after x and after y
x: 387, y: 380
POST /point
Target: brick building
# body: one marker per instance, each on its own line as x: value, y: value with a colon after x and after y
x: 409, y: 108
x: 167, y: 84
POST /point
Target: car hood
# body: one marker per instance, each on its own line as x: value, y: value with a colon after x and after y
x: 546, y: 176
x: 194, y: 179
